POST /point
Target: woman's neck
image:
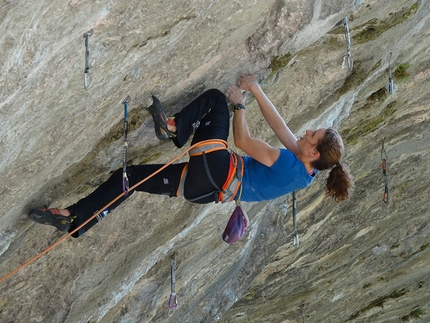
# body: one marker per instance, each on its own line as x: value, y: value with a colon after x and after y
x: 307, y: 165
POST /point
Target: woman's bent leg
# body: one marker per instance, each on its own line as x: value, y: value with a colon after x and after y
x: 209, y: 110
x: 213, y: 125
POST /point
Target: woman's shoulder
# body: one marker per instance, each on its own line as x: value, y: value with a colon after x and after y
x: 285, y: 153
x: 286, y: 159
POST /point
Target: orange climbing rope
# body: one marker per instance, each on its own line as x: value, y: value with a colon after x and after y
x: 98, y: 212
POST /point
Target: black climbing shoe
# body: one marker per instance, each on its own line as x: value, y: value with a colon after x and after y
x: 160, y: 120
x: 51, y: 217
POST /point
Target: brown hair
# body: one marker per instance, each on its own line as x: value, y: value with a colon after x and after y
x: 340, y: 183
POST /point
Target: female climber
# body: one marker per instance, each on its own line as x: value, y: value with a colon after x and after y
x: 213, y: 173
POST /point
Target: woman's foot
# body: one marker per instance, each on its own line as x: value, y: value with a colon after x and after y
x: 165, y: 128
x: 60, y: 219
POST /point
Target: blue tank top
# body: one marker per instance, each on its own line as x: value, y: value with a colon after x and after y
x: 262, y: 183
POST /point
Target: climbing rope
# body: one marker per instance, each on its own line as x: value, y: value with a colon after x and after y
x: 173, y: 300
x: 98, y: 213
x: 125, y: 183
x: 384, y: 162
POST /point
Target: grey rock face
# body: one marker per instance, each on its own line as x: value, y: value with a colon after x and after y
x: 362, y: 260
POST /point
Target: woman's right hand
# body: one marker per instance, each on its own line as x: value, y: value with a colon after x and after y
x: 247, y: 81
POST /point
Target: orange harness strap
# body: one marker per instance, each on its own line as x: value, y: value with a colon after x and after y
x: 234, y: 179
x: 207, y: 147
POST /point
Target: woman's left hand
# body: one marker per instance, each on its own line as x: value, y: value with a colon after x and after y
x: 247, y: 82
x: 235, y: 95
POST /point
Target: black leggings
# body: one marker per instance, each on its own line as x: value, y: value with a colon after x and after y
x: 209, y: 118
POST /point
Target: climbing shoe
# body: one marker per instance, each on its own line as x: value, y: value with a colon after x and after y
x: 51, y: 217
x: 160, y: 120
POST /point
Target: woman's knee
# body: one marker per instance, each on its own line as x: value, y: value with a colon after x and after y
x: 215, y: 93
x: 218, y: 100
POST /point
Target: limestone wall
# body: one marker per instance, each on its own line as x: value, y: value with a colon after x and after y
x: 358, y: 261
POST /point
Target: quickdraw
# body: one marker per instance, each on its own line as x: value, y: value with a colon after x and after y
x: 347, y: 57
x: 390, y: 77
x: 384, y: 162
x: 296, y: 234
x: 125, y: 183
x: 173, y: 299
x: 87, y: 79
x: 302, y: 308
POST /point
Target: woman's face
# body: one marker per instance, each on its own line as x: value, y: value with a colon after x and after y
x: 308, y: 142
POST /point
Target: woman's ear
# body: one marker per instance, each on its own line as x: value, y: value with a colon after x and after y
x: 315, y: 154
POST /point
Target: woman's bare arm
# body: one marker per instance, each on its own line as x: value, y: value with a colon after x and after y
x: 273, y: 118
x: 257, y: 149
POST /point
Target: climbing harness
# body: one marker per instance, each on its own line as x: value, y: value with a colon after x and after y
x: 173, y: 300
x: 96, y: 214
x: 229, y: 190
x: 384, y: 171
x: 296, y: 235
x: 390, y: 77
x: 239, y: 221
x: 125, y: 184
x: 347, y: 57
x: 87, y: 79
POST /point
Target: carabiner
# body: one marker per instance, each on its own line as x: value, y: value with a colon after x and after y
x: 296, y: 240
x: 173, y: 301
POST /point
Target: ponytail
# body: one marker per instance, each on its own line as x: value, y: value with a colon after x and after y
x: 339, y: 183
